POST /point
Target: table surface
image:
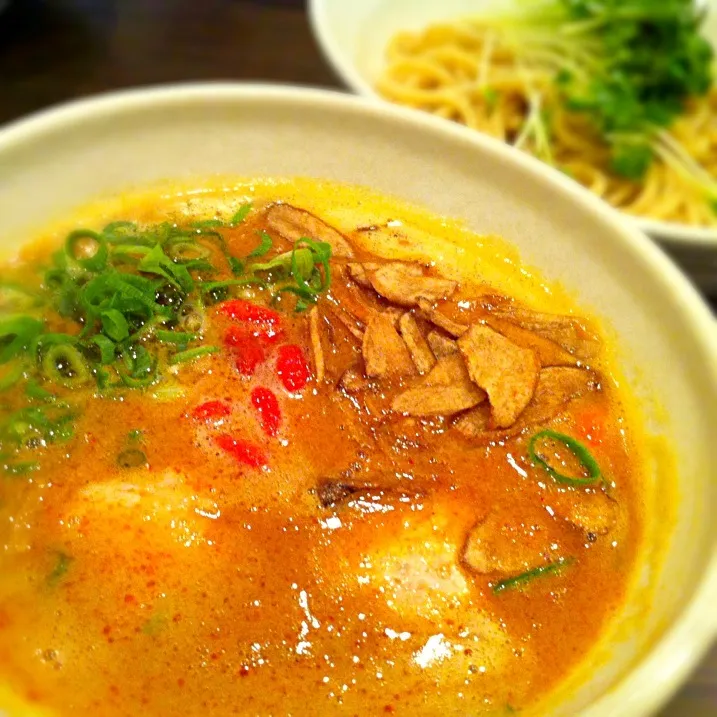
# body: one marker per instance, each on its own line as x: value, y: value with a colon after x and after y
x: 55, y: 50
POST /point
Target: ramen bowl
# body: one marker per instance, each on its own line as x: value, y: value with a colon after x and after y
x: 65, y: 158
x: 354, y: 37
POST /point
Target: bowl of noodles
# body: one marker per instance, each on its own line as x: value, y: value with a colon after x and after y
x: 293, y: 400
x: 535, y: 76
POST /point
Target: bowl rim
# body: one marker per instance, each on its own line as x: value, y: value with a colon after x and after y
x: 657, y: 674
x: 670, y: 233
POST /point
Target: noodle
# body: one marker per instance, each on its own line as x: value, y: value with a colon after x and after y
x: 461, y: 72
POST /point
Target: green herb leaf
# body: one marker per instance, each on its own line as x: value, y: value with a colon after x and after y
x: 631, y: 160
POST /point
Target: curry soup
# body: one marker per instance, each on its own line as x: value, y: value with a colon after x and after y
x: 256, y: 460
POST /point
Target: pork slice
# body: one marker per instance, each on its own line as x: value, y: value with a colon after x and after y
x: 589, y: 509
x: 548, y: 352
x: 417, y: 345
x: 360, y: 272
x: 315, y: 335
x: 507, y: 372
x: 566, y: 331
x: 384, y: 351
x: 405, y: 284
x: 499, y: 544
x: 294, y: 223
x: 447, y: 389
x: 441, y: 345
x: 428, y: 312
x: 557, y: 387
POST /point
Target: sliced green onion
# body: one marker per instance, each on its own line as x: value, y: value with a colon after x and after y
x: 32, y: 420
x: 119, y: 231
x: 17, y: 297
x: 64, y: 364
x: 191, y: 317
x: 302, y: 267
x: 193, y: 354
x: 264, y: 247
x: 580, y: 452
x: 527, y: 577
x: 241, y: 214
x: 281, y: 262
x: 207, y: 224
x: 130, y: 251
x: 200, y: 265
x: 235, y: 265
x: 36, y: 392
x: 51, y: 339
x: 304, y: 300
x: 157, y: 262
x: 114, y: 325
x: 16, y: 334
x: 107, y: 348
x: 11, y: 377
x: 95, y: 262
x: 175, y: 337
x: 138, y: 381
x: 217, y: 291
x: 102, y: 378
x: 164, y: 394
x: 21, y: 468
x: 141, y: 369
x: 322, y: 251
x: 184, y: 249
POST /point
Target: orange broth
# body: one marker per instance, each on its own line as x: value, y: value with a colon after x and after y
x: 197, y: 584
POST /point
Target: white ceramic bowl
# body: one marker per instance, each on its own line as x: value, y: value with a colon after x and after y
x: 66, y: 157
x: 354, y: 36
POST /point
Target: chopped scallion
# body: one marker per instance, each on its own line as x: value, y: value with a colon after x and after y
x: 576, y: 448
x: 193, y: 354
x: 527, y: 577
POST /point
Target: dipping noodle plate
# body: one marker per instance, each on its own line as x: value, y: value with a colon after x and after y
x: 279, y: 418
x: 531, y: 76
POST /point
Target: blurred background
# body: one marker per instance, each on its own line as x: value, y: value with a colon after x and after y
x: 56, y: 50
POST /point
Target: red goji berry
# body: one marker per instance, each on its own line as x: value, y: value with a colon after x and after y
x: 249, y: 354
x: 292, y: 368
x: 242, y: 310
x: 238, y: 334
x: 211, y: 410
x: 243, y: 451
x: 267, y: 406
